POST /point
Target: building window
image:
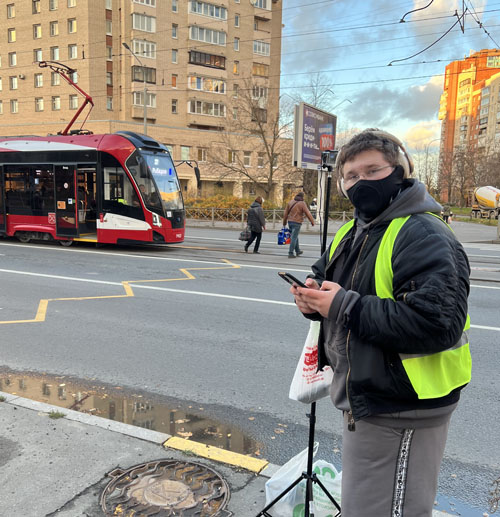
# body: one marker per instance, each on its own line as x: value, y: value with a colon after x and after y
x: 56, y: 103
x: 206, y: 84
x: 11, y: 11
x: 54, y: 28
x: 138, y: 74
x: 236, y: 20
x: 109, y: 27
x: 144, y: 48
x: 13, y: 82
x: 202, y: 154
x: 109, y: 4
x: 39, y: 104
x: 174, y: 106
x: 206, y: 9
x: 1, y: 86
x: 71, y: 25
x: 150, y: 99
x: 109, y: 53
x: 72, y: 51
x: 1, y: 107
x: 263, y: 4
x: 184, y: 152
x: 198, y: 33
x: 261, y: 48
x: 73, y: 102
x: 174, y: 55
x: 71, y: 3
x: 231, y: 157
x: 235, y: 90
x: 175, y: 6
x: 11, y: 35
x: 237, y: 44
x: 259, y: 92
x: 260, y: 160
x: 109, y: 103
x: 35, y: 6
x: 247, y: 158
x: 151, y: 3
x: 12, y: 59
x: 142, y: 22
x: 37, y: 31
x: 14, y: 106
x: 174, y: 30
x: 109, y: 78
x: 38, y: 80
x: 213, y: 109
x: 210, y: 60
x: 259, y: 115
x: 174, y: 80
x: 37, y: 55
x: 53, y: 5
x: 55, y: 79
x: 236, y: 67
x: 235, y: 113
x: 260, y: 69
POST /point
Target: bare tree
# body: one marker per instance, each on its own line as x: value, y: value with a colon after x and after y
x: 263, y: 133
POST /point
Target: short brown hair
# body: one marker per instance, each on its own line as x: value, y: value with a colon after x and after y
x: 259, y: 199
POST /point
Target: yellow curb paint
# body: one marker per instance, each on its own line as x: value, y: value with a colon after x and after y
x: 216, y: 454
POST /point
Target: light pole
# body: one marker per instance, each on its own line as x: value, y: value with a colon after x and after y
x: 145, y: 89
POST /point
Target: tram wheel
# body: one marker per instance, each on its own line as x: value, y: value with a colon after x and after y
x: 24, y: 237
x: 66, y: 243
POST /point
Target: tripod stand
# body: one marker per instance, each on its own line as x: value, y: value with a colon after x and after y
x: 309, y: 475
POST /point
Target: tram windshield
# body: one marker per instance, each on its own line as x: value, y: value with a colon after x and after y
x: 156, y: 177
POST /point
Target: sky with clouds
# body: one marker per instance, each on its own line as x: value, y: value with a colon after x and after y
x: 361, y: 50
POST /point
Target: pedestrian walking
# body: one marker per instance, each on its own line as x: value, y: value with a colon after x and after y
x: 446, y: 214
x: 256, y: 222
x: 391, y: 294
x: 294, y: 215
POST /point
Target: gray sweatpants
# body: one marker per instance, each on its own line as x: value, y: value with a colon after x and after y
x: 389, y: 472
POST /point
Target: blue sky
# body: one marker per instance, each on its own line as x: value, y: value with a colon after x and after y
x: 351, y: 43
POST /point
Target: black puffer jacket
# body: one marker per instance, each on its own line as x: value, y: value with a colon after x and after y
x: 430, y: 287
x: 255, y: 218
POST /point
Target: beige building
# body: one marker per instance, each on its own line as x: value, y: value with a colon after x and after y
x: 192, y: 58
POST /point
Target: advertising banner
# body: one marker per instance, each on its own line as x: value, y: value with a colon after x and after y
x: 314, y: 132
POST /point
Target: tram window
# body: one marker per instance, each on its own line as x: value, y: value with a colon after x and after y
x: 119, y: 194
x: 17, y: 190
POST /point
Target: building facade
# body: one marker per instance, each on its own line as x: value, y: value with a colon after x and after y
x: 469, y: 111
x: 187, y: 60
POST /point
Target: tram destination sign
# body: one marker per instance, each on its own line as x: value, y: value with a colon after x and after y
x: 314, y: 132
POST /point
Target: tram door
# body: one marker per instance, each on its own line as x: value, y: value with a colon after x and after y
x: 3, y: 225
x: 65, y: 196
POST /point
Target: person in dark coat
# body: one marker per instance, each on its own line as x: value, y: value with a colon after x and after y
x: 256, y: 222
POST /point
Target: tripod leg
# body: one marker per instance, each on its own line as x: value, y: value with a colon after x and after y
x: 264, y: 513
x: 325, y: 490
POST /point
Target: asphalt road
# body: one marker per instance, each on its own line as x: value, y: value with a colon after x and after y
x: 205, y: 324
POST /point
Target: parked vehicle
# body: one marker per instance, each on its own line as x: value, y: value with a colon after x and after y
x: 486, y: 202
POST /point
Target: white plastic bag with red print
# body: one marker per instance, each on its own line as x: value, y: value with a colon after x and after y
x: 308, y: 384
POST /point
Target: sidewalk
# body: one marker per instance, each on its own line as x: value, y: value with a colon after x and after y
x: 59, y: 466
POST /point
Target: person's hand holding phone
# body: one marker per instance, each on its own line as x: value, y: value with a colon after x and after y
x: 300, y: 301
x: 316, y: 299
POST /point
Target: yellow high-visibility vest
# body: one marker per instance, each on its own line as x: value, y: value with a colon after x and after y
x: 431, y: 375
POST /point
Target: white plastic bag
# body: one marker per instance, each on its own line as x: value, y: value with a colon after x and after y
x: 308, y: 384
x: 292, y: 504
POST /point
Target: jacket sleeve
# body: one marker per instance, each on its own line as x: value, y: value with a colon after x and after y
x: 308, y: 214
x: 430, y: 287
x: 261, y: 216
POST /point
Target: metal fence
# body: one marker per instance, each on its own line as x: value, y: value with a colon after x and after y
x: 237, y: 217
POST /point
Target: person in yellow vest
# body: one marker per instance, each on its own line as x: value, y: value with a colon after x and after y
x: 391, y: 294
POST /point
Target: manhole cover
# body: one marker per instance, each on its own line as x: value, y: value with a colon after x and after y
x: 166, y: 488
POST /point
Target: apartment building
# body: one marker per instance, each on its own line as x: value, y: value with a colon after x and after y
x: 468, y: 109
x: 187, y: 60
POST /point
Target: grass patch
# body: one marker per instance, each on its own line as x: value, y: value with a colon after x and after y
x: 56, y: 414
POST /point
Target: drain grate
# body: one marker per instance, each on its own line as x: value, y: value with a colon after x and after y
x: 166, y: 488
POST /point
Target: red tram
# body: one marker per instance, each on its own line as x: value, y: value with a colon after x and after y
x: 112, y: 188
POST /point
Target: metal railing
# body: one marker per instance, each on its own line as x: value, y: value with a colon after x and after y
x: 237, y: 217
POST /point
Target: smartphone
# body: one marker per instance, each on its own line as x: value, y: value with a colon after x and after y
x: 291, y: 279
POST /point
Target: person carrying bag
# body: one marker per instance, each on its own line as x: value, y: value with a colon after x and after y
x: 294, y: 215
x: 256, y: 222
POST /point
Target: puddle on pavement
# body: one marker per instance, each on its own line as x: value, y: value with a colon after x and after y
x: 134, y: 409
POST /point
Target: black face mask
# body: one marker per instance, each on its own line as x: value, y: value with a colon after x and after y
x: 372, y: 197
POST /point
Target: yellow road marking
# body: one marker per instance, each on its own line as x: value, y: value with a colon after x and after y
x: 129, y: 293
x: 214, y: 453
